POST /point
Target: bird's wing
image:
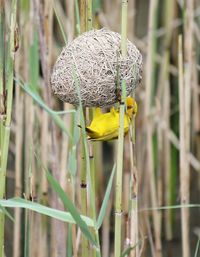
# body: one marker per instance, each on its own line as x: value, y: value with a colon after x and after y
x: 103, y: 125
x: 107, y: 137
x: 109, y: 123
x: 110, y: 136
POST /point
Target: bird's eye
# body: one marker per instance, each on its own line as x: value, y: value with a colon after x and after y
x: 129, y: 107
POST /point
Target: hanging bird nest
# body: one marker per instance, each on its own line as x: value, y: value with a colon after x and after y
x: 93, y: 66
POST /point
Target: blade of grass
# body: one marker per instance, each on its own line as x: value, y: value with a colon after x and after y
x: 71, y: 208
x: 60, y: 25
x: 127, y: 251
x: 34, y: 64
x: 106, y: 199
x: 59, y: 122
x: 69, y: 241
x: 172, y: 207
x: 54, y: 213
x: 2, y: 209
x: 197, y: 247
x: 39, y: 100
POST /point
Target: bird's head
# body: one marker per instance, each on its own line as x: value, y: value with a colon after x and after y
x: 131, y: 107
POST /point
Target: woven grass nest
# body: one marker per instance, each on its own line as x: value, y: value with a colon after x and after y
x: 93, y: 62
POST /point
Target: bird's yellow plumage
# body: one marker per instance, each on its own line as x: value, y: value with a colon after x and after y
x: 105, y: 126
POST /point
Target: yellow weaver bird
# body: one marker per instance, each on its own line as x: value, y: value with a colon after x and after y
x: 105, y: 126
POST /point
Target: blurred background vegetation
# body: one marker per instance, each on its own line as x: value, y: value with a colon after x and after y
x: 166, y: 163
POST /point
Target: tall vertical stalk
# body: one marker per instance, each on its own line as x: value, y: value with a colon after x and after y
x: 89, y: 25
x: 84, y: 245
x: 18, y: 163
x: 188, y: 76
x: 2, y: 60
x: 184, y: 126
x: 83, y: 175
x: 43, y: 12
x: 5, y: 124
x: 2, y: 113
x: 86, y: 173
x: 133, y: 197
x: 89, y: 14
x: 164, y: 95
x: 2, y: 71
x: 133, y: 184
x: 77, y: 18
x: 120, y: 146
x: 28, y: 158
x: 167, y: 159
x: 83, y: 16
x: 150, y: 88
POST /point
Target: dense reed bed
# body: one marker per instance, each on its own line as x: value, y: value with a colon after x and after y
x: 135, y: 196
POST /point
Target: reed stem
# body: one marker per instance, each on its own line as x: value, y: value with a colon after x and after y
x: 184, y: 165
x: 150, y: 90
x: 187, y: 87
x: 89, y: 15
x: 120, y: 146
x: 5, y: 124
x: 83, y: 16
x: 83, y: 175
x: 133, y: 196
